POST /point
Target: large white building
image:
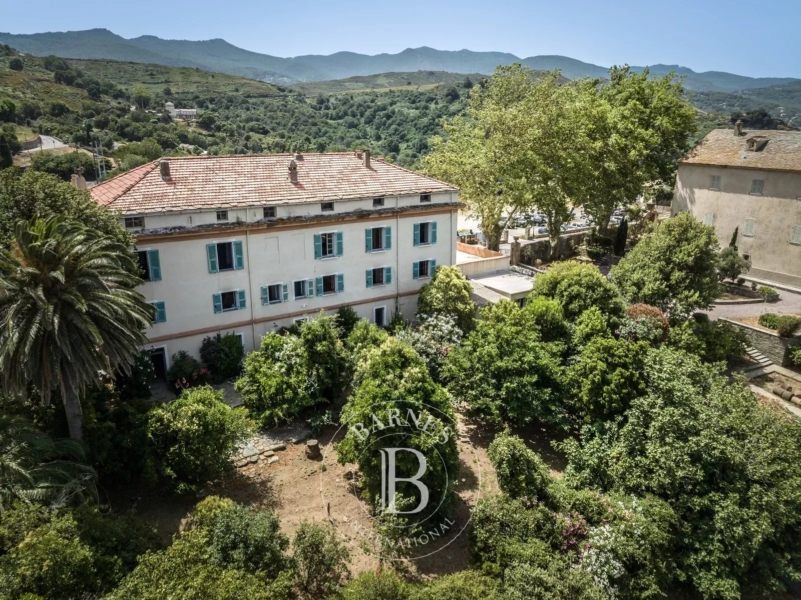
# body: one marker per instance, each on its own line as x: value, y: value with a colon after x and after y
x: 248, y: 244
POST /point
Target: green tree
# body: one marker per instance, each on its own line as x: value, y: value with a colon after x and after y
x: 521, y: 473
x: 731, y: 265
x: 141, y: 97
x: 503, y: 371
x: 729, y: 466
x: 381, y: 585
x: 9, y: 145
x: 193, y: 438
x: 448, y: 293
x: 733, y: 241
x: 675, y: 268
x: 320, y: 560
x: 15, y: 64
x: 433, y: 340
x: 248, y: 540
x: 69, y: 310
x: 579, y: 287
x: 8, y: 110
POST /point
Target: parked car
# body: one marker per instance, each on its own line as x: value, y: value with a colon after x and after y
x: 542, y: 230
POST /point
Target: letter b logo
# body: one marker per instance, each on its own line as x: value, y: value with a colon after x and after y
x: 389, y: 480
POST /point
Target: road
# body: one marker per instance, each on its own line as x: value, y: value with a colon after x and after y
x: 788, y: 303
x: 48, y: 143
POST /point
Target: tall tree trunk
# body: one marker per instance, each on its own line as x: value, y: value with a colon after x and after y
x: 72, y: 408
x: 492, y: 235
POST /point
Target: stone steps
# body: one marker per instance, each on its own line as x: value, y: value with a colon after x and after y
x: 761, y: 359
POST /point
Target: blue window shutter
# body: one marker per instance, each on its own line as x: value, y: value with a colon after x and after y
x: 432, y: 267
x: 416, y: 270
x: 318, y: 246
x: 387, y: 238
x: 155, y: 265
x: 217, y: 299
x: 239, y: 257
x: 211, y: 254
x: 368, y: 240
x: 265, y: 295
x: 417, y: 234
x: 161, y: 312
x: 340, y: 283
x: 310, y: 288
x: 433, y: 232
x: 319, y: 286
x: 340, y: 245
x: 241, y: 302
x: 369, y: 277
x: 285, y: 292
x: 387, y: 275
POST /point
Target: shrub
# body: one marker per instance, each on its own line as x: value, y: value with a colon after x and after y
x: 578, y: 287
x: 712, y: 341
x: 248, y: 540
x: 433, y: 340
x: 548, y: 316
x: 320, y: 560
x: 448, y: 293
x: 222, y: 356
x: 521, y: 472
x: 795, y: 355
x: 381, y: 585
x: 15, y: 64
x: 326, y: 357
x: 346, y: 320
x: 769, y: 320
x: 766, y: 291
x: 591, y: 323
x: 363, y: 337
x: 787, y: 325
x: 194, y: 438
x: 464, y: 585
x: 186, y: 372
x: 731, y: 265
x: 137, y: 383
x: 644, y: 323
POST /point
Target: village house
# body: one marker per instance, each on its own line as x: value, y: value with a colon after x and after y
x: 250, y: 244
x: 749, y: 181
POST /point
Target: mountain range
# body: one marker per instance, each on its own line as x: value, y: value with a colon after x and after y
x: 217, y: 55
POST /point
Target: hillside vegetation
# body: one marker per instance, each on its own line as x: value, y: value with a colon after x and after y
x: 415, y: 80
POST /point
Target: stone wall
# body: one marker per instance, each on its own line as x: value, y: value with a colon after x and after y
x: 540, y: 249
x: 768, y: 343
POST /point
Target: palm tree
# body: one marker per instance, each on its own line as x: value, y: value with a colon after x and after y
x: 35, y: 468
x: 68, y: 311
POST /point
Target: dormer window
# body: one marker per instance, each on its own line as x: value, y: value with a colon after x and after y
x: 327, y: 207
x: 756, y: 143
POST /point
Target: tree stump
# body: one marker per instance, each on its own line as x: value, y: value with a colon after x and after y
x: 313, y: 450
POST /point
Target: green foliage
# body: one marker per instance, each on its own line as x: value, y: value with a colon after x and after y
x: 734, y: 235
x: 607, y: 376
x: 548, y: 317
x: 346, y: 320
x: 731, y: 265
x: 590, y: 324
x: 136, y: 384
x: 503, y: 371
x: 644, y: 323
x: 795, y: 355
x: 448, y: 293
x: 326, y: 355
x: 620, y: 237
x: 248, y: 540
x: 364, y: 337
x: 433, y: 340
x: 729, y: 468
x: 788, y: 325
x: 521, y: 473
x: 9, y: 145
x: 149, y: 149
x: 64, y: 165
x: 15, y: 64
x: 223, y: 356
x: 674, y: 268
x: 7, y: 110
x: 579, y: 287
x: 320, y: 560
x: 713, y: 341
x: 194, y: 437
x: 185, y: 372
x: 769, y: 320
x: 381, y: 585
x: 464, y: 585
x: 765, y: 291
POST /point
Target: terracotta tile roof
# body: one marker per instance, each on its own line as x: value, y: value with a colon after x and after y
x: 207, y: 182
x: 721, y: 147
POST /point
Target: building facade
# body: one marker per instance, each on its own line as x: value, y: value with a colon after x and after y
x: 751, y: 182
x: 250, y: 244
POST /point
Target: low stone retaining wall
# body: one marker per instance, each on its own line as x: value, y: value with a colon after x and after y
x: 540, y: 249
x: 31, y: 144
x: 771, y: 344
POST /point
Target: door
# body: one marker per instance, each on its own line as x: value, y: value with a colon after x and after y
x: 158, y: 356
x: 380, y: 316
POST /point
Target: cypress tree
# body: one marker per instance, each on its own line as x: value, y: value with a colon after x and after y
x: 733, y: 242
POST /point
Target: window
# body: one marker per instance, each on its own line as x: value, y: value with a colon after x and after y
x: 222, y: 215
x: 750, y: 226
x: 274, y: 294
x: 424, y: 268
x: 378, y: 202
x: 795, y: 235
x: 269, y: 212
x: 709, y: 219
x: 378, y: 276
x: 747, y: 256
x: 134, y: 222
x: 328, y: 245
x: 380, y: 315
x: 226, y: 301
x: 327, y: 207
x: 425, y: 233
x: 756, y: 186
x: 150, y: 265
x: 160, y: 315
x: 304, y: 288
x: 715, y: 183
x: 225, y: 256
x: 330, y: 284
x: 425, y: 197
x: 377, y: 238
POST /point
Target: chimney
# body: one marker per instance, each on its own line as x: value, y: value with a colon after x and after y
x: 164, y: 168
x: 77, y: 180
x: 738, y: 128
x: 367, y: 158
x: 293, y: 171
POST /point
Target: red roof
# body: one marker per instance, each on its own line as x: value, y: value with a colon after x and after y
x: 208, y: 182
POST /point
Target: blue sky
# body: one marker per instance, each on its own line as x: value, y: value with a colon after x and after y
x: 739, y: 36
